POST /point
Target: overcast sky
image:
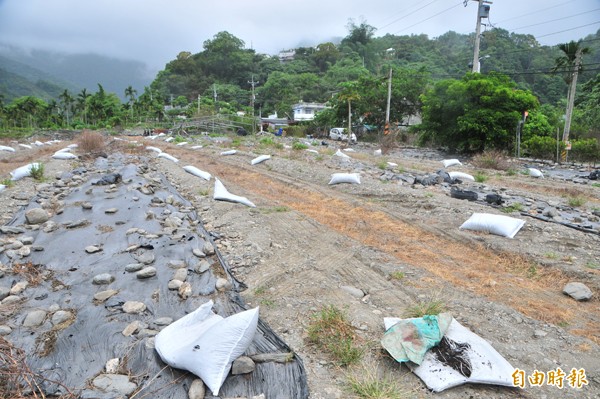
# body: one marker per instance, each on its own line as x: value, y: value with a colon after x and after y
x: 155, y: 31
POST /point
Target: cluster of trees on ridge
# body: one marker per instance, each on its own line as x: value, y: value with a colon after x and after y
x: 460, y: 110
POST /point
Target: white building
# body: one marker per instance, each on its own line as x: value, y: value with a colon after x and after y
x: 306, y: 111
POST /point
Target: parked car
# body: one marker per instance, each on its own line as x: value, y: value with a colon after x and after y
x: 338, y: 133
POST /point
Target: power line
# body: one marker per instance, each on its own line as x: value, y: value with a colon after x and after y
x: 426, y: 19
x: 407, y: 15
x: 534, y: 12
x: 566, y: 30
x: 554, y: 20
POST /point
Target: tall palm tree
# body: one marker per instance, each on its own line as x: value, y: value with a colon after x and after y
x: 130, y: 92
x: 570, y: 63
x: 82, y: 103
x: 67, y: 100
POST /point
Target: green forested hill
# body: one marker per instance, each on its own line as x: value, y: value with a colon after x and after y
x: 18, y: 79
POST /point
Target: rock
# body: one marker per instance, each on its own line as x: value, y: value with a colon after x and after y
x: 180, y: 274
x: 35, y: 318
x: 185, y: 290
x: 146, y: 258
x: 111, y: 211
x: 132, y: 328
x: 134, y: 267
x: 133, y: 307
x: 146, y: 272
x: 61, y: 316
x: 104, y: 295
x: 202, y: 267
x: 4, y: 292
x: 5, y: 330
x: 198, y: 252
x: 176, y: 264
x: 174, y: 284
x: 102, y: 279
x: 91, y: 249
x: 18, y: 287
x: 26, y: 240
x: 355, y: 292
x: 9, y: 300
x: 242, y: 365
x: 36, y: 216
x: 87, y: 205
x: 578, y: 291
x: 539, y: 333
x: 114, y: 383
x: 197, y: 389
x: 208, y: 248
x: 163, y: 321
x: 222, y: 284
x: 112, y: 366
x: 11, y: 230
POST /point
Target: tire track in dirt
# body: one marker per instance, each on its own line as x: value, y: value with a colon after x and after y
x: 500, y: 277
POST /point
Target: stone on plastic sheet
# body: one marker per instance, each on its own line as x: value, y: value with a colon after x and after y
x: 223, y: 284
x: 114, y: 383
x: 146, y: 272
x: 197, y: 389
x: 61, y: 316
x: 36, y: 216
x: 35, y: 318
x: 104, y: 295
x: 185, y: 290
x: 133, y: 307
x: 103, y: 278
x: 242, y: 365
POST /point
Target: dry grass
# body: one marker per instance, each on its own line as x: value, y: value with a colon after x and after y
x: 502, y: 277
x: 491, y: 160
x: 30, y: 272
x: 91, y: 142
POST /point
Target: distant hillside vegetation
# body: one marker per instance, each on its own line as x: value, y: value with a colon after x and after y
x: 70, y: 71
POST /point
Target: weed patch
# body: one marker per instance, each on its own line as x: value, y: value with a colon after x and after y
x: 91, y: 142
x: 430, y: 307
x: 331, y: 331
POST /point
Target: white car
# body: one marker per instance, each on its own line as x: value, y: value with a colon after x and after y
x: 337, y: 133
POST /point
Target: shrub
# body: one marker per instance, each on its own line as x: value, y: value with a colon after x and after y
x: 7, y: 182
x: 491, y: 160
x: 431, y: 307
x: 37, y: 171
x: 542, y: 147
x: 91, y: 142
x: 299, y: 146
x: 368, y: 383
x: 331, y: 331
x: 516, y: 207
x: 480, y: 177
x: 586, y: 150
x: 295, y: 131
x: 576, y: 201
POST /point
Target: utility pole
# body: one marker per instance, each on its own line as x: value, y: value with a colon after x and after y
x: 571, y: 97
x: 215, y: 97
x: 386, y: 130
x: 483, y: 11
x: 198, y: 104
x: 253, y: 83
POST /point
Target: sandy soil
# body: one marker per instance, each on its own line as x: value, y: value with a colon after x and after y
x: 400, y: 244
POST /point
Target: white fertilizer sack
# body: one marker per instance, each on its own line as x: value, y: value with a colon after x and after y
x: 260, y: 159
x: 451, y: 162
x: 533, y: 172
x: 221, y: 194
x: 461, y: 176
x: 167, y: 156
x: 197, y: 172
x: 352, y: 178
x: 495, y: 224
x: 230, y: 152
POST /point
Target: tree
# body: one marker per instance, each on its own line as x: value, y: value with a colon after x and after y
x: 66, y: 100
x: 570, y: 63
x: 476, y: 113
x: 82, y: 104
x: 130, y: 92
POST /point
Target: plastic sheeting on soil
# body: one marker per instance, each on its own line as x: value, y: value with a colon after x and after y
x: 75, y: 352
x: 461, y: 357
x: 221, y: 194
